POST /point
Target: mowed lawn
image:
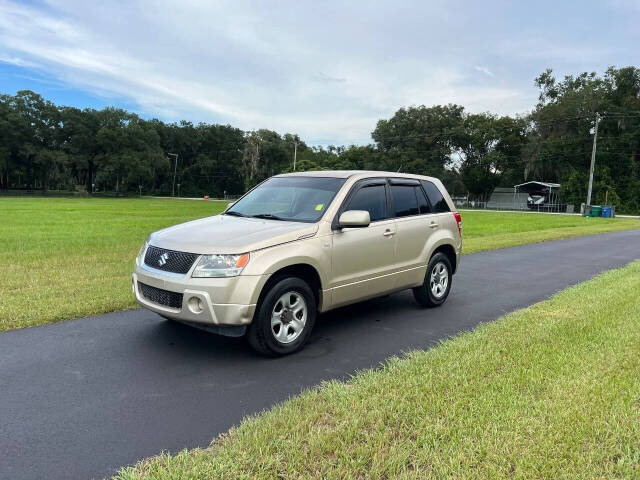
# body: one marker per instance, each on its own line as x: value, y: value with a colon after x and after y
x: 550, y: 391
x: 63, y: 258
x: 488, y: 230
x: 68, y: 258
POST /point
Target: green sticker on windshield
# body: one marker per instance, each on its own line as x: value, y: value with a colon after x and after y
x: 319, y: 206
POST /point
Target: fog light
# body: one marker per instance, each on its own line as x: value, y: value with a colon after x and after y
x: 195, y: 305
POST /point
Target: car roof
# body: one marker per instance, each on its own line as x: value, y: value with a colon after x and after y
x: 352, y: 173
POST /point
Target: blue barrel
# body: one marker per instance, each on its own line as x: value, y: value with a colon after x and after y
x: 606, y: 212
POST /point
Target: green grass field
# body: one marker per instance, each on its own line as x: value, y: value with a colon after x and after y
x: 550, y: 391
x: 68, y: 258
x: 488, y: 230
x: 64, y: 258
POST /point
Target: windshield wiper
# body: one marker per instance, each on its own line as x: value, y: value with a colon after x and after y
x: 235, y: 214
x: 268, y: 216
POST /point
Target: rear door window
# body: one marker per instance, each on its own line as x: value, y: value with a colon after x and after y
x: 423, y: 204
x: 438, y: 203
x: 405, y: 202
x: 373, y: 199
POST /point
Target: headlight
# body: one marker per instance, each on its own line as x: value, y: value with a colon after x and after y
x: 140, y: 257
x: 221, y: 265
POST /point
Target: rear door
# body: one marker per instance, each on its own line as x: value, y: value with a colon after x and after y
x: 363, y: 258
x: 414, y: 225
x: 441, y: 216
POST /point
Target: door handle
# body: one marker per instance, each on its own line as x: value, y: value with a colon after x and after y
x: 433, y: 225
x: 388, y: 233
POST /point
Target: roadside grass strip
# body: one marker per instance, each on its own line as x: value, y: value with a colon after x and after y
x: 550, y: 391
x: 64, y: 258
x: 488, y: 230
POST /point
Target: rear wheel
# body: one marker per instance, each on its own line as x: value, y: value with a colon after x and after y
x: 284, y: 318
x: 437, y: 282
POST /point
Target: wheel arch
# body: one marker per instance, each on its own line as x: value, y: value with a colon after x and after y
x: 449, y: 251
x: 304, y: 271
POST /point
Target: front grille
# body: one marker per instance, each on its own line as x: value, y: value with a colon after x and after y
x: 169, y: 260
x: 162, y: 297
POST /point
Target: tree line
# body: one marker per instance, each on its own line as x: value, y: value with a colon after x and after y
x: 49, y: 147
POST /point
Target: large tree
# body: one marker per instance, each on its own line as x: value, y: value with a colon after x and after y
x: 419, y: 139
x: 560, y: 136
x: 489, y: 150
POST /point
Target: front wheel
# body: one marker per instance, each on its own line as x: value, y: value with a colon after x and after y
x: 284, y: 318
x: 437, y: 282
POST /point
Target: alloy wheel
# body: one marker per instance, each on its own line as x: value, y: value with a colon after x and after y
x: 439, y: 280
x: 288, y: 317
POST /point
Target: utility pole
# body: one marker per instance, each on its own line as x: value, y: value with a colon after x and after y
x: 175, y: 170
x: 295, y: 151
x: 593, y: 159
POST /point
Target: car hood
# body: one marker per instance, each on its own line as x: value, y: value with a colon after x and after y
x: 227, y: 234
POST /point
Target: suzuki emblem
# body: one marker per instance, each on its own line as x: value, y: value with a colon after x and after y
x: 163, y: 259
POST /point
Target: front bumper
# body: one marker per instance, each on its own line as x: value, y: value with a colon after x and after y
x: 212, y: 301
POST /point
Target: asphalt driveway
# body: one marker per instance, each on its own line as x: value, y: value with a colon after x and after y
x: 79, y: 399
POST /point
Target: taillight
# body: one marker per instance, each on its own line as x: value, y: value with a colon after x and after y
x: 458, y: 221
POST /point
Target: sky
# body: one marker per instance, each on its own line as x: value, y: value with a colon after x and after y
x: 326, y: 70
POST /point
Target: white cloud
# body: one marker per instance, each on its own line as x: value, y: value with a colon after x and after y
x: 325, y: 70
x: 484, y: 70
x: 17, y: 61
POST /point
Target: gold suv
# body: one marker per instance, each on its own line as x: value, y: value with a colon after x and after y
x: 299, y: 244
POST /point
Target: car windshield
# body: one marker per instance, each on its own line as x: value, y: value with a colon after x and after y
x: 295, y: 199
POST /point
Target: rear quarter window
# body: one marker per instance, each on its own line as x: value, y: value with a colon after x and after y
x: 438, y: 203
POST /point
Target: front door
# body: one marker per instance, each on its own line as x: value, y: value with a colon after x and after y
x: 363, y: 258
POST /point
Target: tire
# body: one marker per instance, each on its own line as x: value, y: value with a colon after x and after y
x: 284, y: 318
x: 437, y: 282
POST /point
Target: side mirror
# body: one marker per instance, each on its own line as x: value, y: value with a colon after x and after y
x: 354, y: 219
